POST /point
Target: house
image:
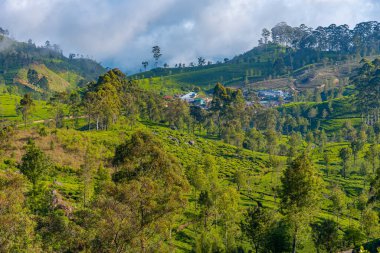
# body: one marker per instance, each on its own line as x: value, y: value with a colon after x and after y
x: 189, y: 97
x: 167, y: 97
x: 199, y: 102
x: 272, y: 96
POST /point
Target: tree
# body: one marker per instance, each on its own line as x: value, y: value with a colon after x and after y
x: 34, y: 164
x: 368, y: 86
x: 356, y: 146
x: 75, y: 104
x: 326, y: 235
x: 279, y: 238
x: 372, y: 155
x: 370, y: 223
x: 345, y: 155
x: 312, y: 114
x: 326, y: 160
x: 353, y: 236
x: 300, y: 194
x: 295, y: 143
x: 57, y: 106
x: 17, y: 227
x: 148, y: 191
x: 103, y: 98
x: 209, y: 241
x: 266, y: 34
x: 279, y: 66
x: 156, y: 50
x: 201, y: 61
x: 227, y: 205
x: 338, y: 199
x: 43, y: 83
x: 256, y: 226
x: 145, y: 64
x: 32, y: 76
x: 240, y: 179
x: 25, y: 107
x: 177, y: 113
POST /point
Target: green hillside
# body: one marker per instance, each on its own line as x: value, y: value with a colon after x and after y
x: 258, y: 67
x: 260, y: 177
x: 117, y: 165
x: 49, y: 70
x: 190, y: 176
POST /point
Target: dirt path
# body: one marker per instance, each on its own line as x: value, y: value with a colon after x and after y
x: 43, y: 120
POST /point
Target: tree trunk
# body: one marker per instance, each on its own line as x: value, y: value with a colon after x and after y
x: 294, y: 243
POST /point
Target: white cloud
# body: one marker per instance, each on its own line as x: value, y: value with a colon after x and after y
x: 122, y: 32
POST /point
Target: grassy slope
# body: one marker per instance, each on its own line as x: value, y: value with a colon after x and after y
x: 256, y: 68
x: 343, y: 110
x: 70, y: 145
x: 231, y: 73
x: 8, y: 105
x: 56, y: 81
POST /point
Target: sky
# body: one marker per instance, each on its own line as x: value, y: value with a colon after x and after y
x: 121, y: 33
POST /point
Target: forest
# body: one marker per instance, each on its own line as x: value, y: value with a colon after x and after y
x: 112, y: 164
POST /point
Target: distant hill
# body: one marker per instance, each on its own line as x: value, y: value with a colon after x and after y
x: 303, y: 56
x: 266, y: 66
x: 43, y: 69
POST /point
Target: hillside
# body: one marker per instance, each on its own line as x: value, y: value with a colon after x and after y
x: 68, y: 153
x: 43, y: 69
x: 263, y: 67
x: 197, y: 174
x: 282, y: 156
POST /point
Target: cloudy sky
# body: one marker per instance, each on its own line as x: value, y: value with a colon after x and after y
x: 122, y: 32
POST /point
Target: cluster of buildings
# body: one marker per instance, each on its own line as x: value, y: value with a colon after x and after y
x: 193, y: 99
x: 267, y: 98
x: 272, y: 98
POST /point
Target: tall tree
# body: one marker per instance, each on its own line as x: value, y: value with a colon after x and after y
x: 138, y: 210
x: 201, y: 61
x: 156, y: 50
x: 26, y: 107
x: 266, y: 34
x: 256, y: 226
x: 368, y: 86
x: 57, y: 106
x: 145, y: 64
x: 17, y: 227
x: 345, y: 155
x: 300, y: 194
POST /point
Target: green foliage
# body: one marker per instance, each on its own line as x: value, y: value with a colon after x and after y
x: 257, y: 226
x: 34, y: 163
x: 367, y: 85
x: 300, y: 194
x: 17, y: 229
x: 326, y: 235
x: 148, y: 193
x: 26, y: 107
